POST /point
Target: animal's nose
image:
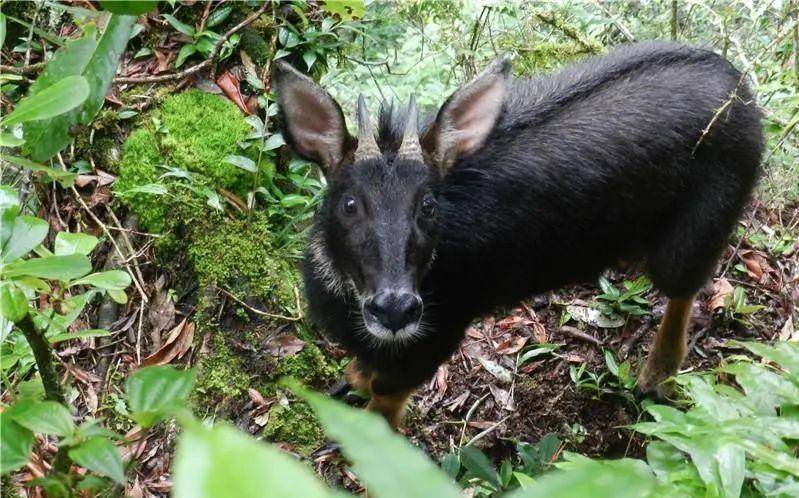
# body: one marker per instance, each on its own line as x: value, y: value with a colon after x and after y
x: 395, y: 310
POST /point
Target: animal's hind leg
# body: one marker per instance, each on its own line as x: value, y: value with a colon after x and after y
x: 668, y: 348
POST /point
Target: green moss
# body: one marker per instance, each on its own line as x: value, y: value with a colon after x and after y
x: 202, y: 129
x: 545, y: 57
x: 138, y: 165
x: 237, y: 255
x: 310, y: 366
x: 294, y: 424
x: 221, y: 375
x: 255, y: 46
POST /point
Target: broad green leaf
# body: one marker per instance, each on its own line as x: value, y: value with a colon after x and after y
x: 97, y: 61
x: 273, y: 142
x: 583, y: 477
x: 479, y: 465
x: 54, y: 268
x: 101, y: 456
x: 108, y: 280
x: 292, y: 200
x: 2, y: 29
x: 242, y: 162
x: 186, y: 51
x: 118, y: 296
x: 9, y: 140
x: 16, y: 444
x: 128, y: 7
x: 731, y: 461
x: 26, y: 233
x: 218, y: 16
x: 180, y: 26
x: 345, y: 9
x: 401, y: 469
x: 13, y: 303
x: 224, y: 463
x: 74, y: 243
x: 309, y: 56
x: 45, y: 417
x: 78, y: 335
x: 104, y: 63
x: 55, y: 100
x: 154, y: 392
x: 65, y: 178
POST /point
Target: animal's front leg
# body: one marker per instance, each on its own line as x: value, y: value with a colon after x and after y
x: 390, y: 403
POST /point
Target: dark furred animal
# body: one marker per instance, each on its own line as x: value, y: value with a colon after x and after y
x: 520, y: 186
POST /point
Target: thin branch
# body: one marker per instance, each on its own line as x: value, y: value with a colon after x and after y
x: 257, y: 311
x: 207, y: 62
x: 22, y: 70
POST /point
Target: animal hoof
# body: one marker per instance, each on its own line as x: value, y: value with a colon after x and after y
x: 329, y: 448
x: 339, y: 389
x: 657, y: 389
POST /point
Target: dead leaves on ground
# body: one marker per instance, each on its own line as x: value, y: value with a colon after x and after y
x: 176, y: 346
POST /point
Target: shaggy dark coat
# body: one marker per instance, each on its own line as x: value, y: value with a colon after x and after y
x: 646, y: 154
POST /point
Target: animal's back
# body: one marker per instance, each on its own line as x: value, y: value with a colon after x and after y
x: 594, y: 164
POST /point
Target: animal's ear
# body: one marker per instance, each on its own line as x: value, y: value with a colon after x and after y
x: 312, y: 121
x: 468, y: 116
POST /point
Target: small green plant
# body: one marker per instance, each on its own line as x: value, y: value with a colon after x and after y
x: 203, y: 41
x: 736, y: 308
x: 630, y: 302
x: 585, y: 380
x: 621, y: 380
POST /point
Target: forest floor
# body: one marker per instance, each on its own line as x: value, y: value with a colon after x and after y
x: 546, y: 366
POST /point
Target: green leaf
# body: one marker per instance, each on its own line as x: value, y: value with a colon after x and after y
x: 242, y: 162
x: 2, y: 29
x: 55, y: 100
x: 16, y: 444
x: 178, y: 25
x: 273, y: 142
x: 309, y: 56
x: 154, y: 392
x: 78, y: 335
x: 74, y: 243
x: 224, y: 463
x: 104, y: 63
x: 9, y: 140
x: 218, y: 16
x: 101, y: 456
x: 401, y: 469
x: 65, y: 178
x: 149, y: 188
x: 107, y: 280
x: 479, y: 465
x: 292, y: 200
x: 625, y: 478
x: 13, y: 303
x: 97, y: 61
x: 186, y: 51
x: 53, y: 268
x: 45, y: 417
x: 26, y: 233
x: 128, y: 7
x: 118, y: 296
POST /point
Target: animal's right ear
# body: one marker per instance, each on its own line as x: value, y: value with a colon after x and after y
x: 312, y: 122
x: 466, y: 119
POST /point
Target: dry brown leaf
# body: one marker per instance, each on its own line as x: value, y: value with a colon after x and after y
x: 256, y: 397
x: 540, y: 332
x: 721, y: 289
x: 161, y: 314
x: 230, y: 87
x: 480, y: 424
x: 754, y: 263
x: 458, y: 402
x: 474, y: 333
x: 511, y: 346
x: 283, y: 345
x: 441, y: 379
x: 176, y: 345
x: 787, y: 332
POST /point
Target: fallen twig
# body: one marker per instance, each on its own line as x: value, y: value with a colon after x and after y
x: 257, y: 311
x: 579, y: 334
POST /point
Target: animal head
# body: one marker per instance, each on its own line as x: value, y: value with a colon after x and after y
x: 378, y: 224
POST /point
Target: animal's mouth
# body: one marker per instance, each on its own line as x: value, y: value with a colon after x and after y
x: 385, y: 335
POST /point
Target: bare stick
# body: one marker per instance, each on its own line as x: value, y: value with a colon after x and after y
x: 257, y: 311
x: 207, y: 62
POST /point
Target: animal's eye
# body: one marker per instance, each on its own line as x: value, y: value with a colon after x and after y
x: 349, y: 205
x: 429, y: 206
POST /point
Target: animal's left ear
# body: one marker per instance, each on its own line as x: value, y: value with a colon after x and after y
x: 312, y: 121
x: 468, y: 116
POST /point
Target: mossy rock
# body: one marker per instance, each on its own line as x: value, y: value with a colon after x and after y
x: 255, y: 46
x: 222, y: 376
x: 296, y: 425
x: 237, y: 255
x: 195, y: 131
x: 310, y: 366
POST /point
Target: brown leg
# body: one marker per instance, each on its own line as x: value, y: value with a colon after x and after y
x: 668, y: 348
x: 390, y: 406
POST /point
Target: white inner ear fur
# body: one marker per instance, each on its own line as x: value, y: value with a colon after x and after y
x: 473, y: 116
x: 315, y: 123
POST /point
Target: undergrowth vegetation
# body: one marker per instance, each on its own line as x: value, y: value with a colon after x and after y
x: 151, y: 226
